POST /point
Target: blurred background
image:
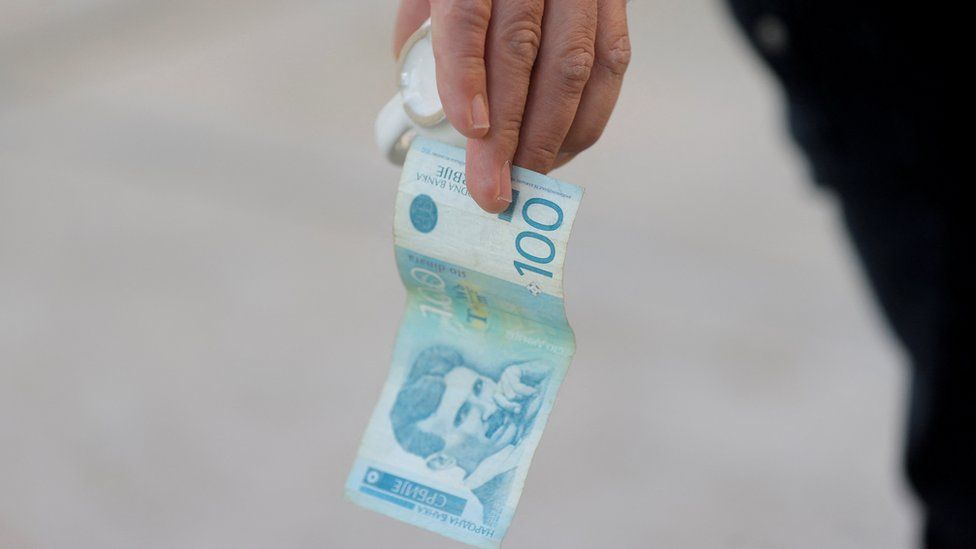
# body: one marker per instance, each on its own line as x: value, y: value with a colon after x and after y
x: 198, y: 296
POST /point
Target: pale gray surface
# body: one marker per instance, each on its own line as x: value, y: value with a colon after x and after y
x: 198, y: 296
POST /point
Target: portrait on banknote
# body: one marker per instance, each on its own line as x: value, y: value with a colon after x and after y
x: 455, y: 414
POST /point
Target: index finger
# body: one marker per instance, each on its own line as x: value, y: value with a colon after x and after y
x: 458, y: 30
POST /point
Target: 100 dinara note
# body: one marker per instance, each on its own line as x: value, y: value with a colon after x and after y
x: 482, y: 349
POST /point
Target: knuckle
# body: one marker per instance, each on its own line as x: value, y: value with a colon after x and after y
x: 615, y: 57
x: 506, y: 133
x: 468, y: 16
x: 541, y: 153
x: 522, y: 40
x: 575, y: 66
x: 538, y: 154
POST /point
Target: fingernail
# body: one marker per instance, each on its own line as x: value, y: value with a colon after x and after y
x: 504, y: 193
x: 479, y: 113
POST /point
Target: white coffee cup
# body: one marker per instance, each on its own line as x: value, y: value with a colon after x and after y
x: 416, y: 109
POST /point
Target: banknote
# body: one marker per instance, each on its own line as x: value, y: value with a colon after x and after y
x: 482, y: 349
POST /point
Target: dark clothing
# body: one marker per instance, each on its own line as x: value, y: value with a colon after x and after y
x: 869, y: 89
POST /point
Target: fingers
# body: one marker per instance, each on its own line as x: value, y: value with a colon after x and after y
x: 601, y: 92
x: 513, y: 42
x: 458, y: 30
x: 510, y: 399
x: 488, y: 48
x: 506, y: 404
x: 513, y: 387
x: 561, y: 72
x: 511, y: 393
x: 410, y: 16
x: 508, y: 392
x: 516, y: 391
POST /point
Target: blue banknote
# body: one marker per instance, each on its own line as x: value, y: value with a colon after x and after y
x: 482, y: 349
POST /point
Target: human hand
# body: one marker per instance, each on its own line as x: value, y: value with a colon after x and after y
x: 529, y: 82
x: 512, y: 393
